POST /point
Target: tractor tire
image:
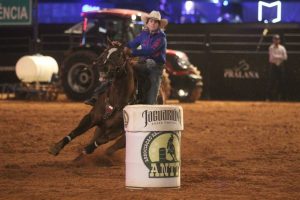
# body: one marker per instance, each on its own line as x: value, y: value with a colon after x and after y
x: 78, y: 75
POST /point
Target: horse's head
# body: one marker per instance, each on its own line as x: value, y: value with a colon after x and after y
x: 113, y: 60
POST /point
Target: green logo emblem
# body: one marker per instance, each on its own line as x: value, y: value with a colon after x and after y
x: 161, y: 154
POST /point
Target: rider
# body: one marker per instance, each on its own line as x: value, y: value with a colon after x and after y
x: 151, y: 46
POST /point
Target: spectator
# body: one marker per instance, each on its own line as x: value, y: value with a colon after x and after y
x: 276, y: 86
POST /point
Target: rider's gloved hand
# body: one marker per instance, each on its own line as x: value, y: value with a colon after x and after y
x: 102, y: 76
x: 128, y: 51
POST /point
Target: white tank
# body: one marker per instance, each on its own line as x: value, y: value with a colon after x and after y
x: 36, y: 68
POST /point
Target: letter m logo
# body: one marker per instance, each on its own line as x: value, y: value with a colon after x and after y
x: 267, y: 14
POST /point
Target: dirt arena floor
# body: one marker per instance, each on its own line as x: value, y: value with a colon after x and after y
x: 230, y: 150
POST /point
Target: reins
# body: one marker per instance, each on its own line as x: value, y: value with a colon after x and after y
x: 110, y: 109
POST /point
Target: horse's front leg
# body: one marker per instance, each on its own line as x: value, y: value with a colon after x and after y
x: 85, y: 124
x: 109, y: 130
x: 99, y: 133
x: 104, y: 138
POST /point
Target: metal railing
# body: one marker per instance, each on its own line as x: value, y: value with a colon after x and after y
x: 15, y: 44
x: 187, y: 42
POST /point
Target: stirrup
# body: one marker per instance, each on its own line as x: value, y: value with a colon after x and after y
x: 90, y: 102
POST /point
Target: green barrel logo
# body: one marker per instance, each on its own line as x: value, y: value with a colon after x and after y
x: 161, y: 154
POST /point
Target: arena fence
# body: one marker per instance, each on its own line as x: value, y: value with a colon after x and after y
x: 232, y: 58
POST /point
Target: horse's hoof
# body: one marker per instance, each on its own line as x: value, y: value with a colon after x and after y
x: 55, y: 149
x: 80, y: 157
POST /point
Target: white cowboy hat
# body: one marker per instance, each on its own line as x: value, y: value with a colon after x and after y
x: 155, y: 15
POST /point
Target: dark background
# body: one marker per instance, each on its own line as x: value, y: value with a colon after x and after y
x: 212, y: 47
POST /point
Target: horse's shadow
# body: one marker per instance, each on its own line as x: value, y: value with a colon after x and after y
x: 99, y: 159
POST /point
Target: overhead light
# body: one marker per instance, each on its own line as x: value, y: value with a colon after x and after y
x: 87, y: 8
x: 189, y: 7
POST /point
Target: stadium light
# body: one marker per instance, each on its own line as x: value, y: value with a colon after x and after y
x: 262, y: 4
x: 215, y: 1
x: 87, y: 7
x: 189, y: 7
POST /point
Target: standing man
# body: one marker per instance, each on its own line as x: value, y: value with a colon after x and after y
x: 277, y: 71
x: 150, y: 45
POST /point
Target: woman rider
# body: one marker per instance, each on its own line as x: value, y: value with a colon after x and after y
x: 150, y: 45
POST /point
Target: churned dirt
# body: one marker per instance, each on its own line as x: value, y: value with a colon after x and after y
x: 230, y: 150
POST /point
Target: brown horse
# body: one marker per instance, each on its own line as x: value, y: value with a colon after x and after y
x: 107, y: 114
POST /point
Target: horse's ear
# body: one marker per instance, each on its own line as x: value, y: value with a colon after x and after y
x: 109, y: 42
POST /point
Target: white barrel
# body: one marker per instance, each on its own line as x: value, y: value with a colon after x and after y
x: 153, y: 138
x: 36, y: 68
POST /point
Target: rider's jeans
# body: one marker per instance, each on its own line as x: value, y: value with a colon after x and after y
x: 155, y: 73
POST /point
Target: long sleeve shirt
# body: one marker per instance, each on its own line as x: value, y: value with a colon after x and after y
x: 153, y: 46
x: 277, y: 54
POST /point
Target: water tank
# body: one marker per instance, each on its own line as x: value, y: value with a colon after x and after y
x: 36, y: 68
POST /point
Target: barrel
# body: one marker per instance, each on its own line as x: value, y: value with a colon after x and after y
x: 36, y: 68
x: 153, y: 138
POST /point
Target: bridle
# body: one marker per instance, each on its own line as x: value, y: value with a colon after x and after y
x: 118, y: 70
x: 118, y: 66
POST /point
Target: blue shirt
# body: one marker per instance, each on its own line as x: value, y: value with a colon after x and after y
x: 153, y: 46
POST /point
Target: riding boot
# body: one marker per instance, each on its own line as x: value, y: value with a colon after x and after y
x: 91, y: 101
x: 99, y: 90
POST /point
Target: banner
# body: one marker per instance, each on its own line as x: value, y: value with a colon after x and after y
x: 15, y: 12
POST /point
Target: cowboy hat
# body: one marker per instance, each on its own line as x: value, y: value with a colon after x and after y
x: 276, y: 36
x: 156, y: 16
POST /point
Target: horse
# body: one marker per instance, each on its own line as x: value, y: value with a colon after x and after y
x: 107, y: 114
